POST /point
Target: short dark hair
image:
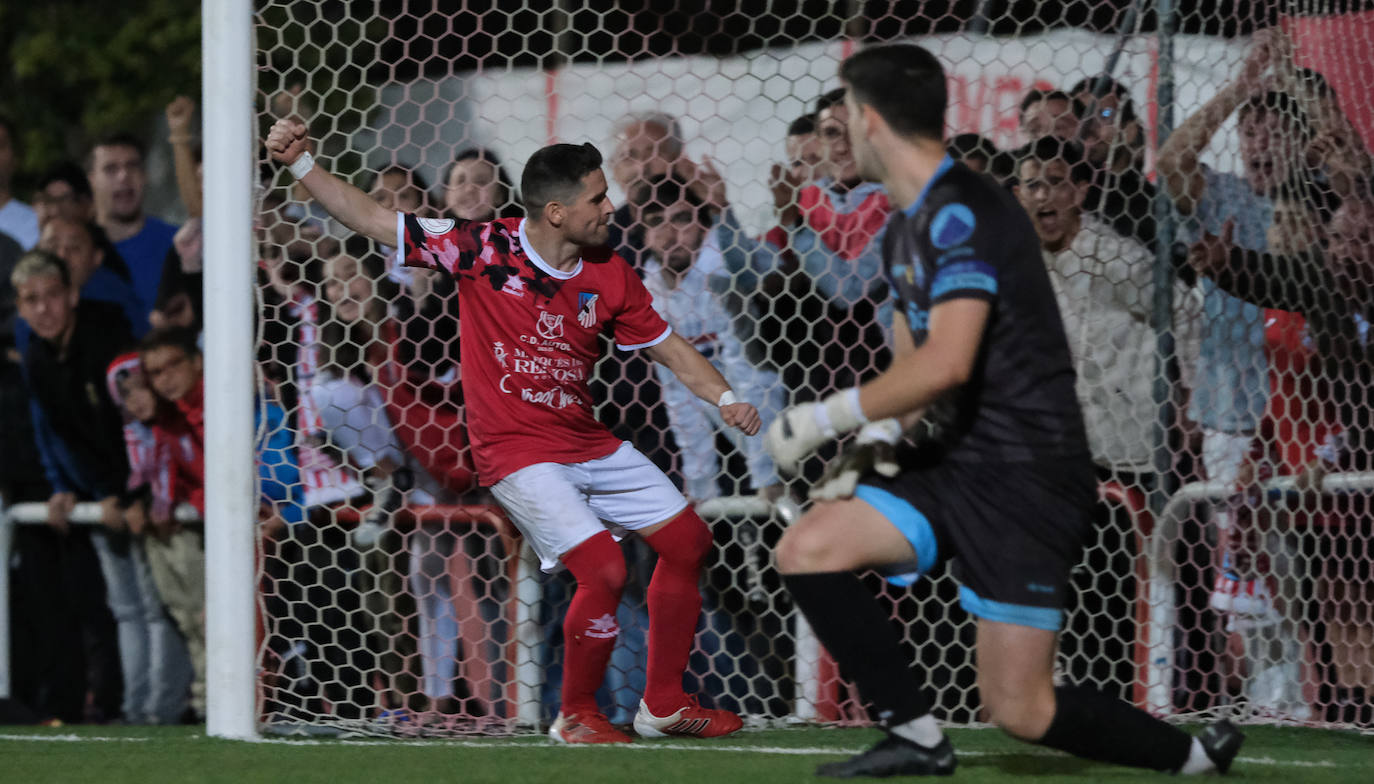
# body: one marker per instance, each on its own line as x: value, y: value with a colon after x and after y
x: 555, y: 172
x: 828, y: 99
x: 971, y: 145
x: 1036, y: 95
x: 184, y: 338
x: 1109, y: 86
x: 656, y: 194
x: 117, y: 139
x: 802, y: 125
x: 1282, y: 104
x: 904, y: 83
x: 510, y: 208
x: 1052, y: 148
x: 70, y: 173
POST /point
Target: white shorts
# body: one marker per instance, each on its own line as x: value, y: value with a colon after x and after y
x: 558, y: 506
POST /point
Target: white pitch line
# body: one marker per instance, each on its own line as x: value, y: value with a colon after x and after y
x: 535, y: 743
x: 73, y: 738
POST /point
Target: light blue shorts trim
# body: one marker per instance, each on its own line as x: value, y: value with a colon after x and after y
x: 911, y: 523
x: 1036, y: 617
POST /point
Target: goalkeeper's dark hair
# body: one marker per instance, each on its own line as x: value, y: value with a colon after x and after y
x: 904, y: 83
x: 1047, y: 149
x: 183, y: 338
x: 555, y: 173
x: 663, y: 190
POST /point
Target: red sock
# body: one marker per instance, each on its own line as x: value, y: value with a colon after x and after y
x: 674, y: 608
x: 589, y: 628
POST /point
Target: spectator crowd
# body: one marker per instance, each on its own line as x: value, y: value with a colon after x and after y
x: 381, y: 603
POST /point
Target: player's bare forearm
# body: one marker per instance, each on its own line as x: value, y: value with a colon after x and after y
x: 350, y: 206
x: 288, y: 142
x: 690, y: 367
x: 1178, y: 156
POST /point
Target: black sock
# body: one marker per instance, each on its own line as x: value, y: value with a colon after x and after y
x: 1095, y: 726
x: 852, y: 626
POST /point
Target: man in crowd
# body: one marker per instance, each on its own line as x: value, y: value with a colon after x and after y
x: 17, y: 219
x: 834, y: 230
x: 80, y: 435
x: 1115, y: 142
x: 536, y: 293
x: 1232, y: 384
x: 1050, y: 113
x: 79, y: 244
x: 700, y: 293
x: 1104, y: 284
x: 115, y: 167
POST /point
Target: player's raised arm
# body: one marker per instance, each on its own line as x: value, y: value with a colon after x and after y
x: 288, y: 142
x: 702, y: 378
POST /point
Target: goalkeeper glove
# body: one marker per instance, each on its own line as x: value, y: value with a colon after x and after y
x: 875, y: 450
x: 800, y: 429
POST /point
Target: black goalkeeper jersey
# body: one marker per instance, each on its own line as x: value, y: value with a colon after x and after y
x: 967, y: 237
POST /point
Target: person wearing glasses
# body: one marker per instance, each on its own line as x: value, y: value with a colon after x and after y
x: 1114, y: 139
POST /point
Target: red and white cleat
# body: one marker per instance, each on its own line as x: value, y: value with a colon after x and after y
x: 690, y: 721
x: 585, y: 728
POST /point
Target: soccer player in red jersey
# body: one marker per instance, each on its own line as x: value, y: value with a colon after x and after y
x: 535, y: 293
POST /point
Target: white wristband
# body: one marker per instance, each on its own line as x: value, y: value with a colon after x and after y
x: 727, y: 398
x: 302, y: 165
x: 840, y: 413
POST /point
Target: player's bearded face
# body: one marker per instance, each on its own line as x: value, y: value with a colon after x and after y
x: 674, y: 235
x: 587, y: 219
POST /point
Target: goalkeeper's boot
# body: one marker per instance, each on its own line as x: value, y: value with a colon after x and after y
x: 895, y: 756
x: 689, y: 721
x: 1222, y: 742
x: 585, y: 727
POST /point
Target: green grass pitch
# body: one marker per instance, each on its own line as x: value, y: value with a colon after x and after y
x: 115, y: 755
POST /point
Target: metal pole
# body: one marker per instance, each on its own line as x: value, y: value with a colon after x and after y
x: 230, y: 474
x: 1160, y: 591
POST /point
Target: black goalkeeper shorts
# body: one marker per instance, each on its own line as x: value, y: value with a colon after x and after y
x: 1012, y: 531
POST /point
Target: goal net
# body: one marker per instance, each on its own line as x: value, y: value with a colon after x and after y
x: 1214, y: 288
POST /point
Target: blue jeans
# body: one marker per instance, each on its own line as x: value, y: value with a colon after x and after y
x: 153, y: 657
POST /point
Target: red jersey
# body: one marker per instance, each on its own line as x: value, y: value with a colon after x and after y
x: 530, y: 337
x: 845, y: 229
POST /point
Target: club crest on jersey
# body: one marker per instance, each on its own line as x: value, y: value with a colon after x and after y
x: 586, y: 309
x: 952, y: 225
x: 436, y: 226
x: 550, y: 325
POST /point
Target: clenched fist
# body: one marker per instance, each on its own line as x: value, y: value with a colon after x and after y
x: 743, y: 416
x: 288, y: 140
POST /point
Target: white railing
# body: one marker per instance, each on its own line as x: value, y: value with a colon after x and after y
x: 37, y: 514
x: 1162, y: 572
